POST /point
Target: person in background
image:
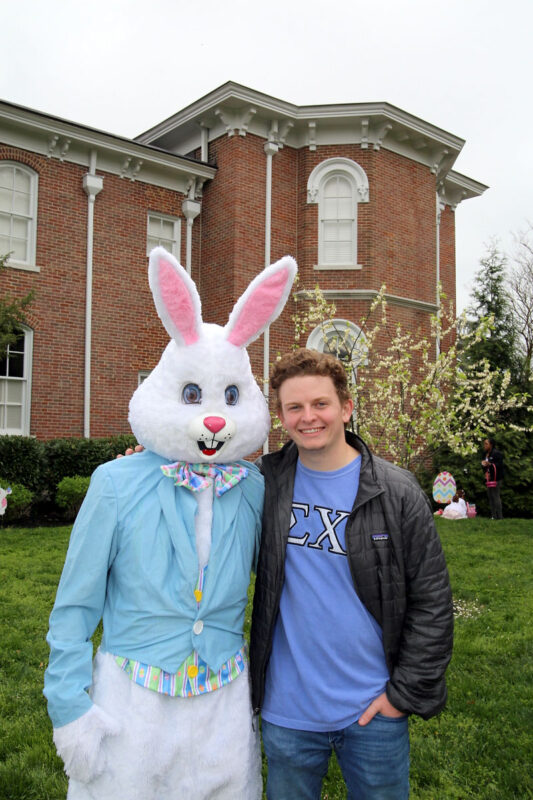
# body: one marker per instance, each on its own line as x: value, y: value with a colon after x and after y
x: 492, y: 465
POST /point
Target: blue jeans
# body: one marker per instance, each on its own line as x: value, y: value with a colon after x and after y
x: 374, y: 760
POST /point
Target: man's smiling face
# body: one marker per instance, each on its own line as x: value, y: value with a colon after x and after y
x: 314, y: 417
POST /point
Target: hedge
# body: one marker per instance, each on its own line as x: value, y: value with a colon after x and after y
x: 71, y: 493
x: 40, y: 466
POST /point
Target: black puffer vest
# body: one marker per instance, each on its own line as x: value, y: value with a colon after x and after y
x: 401, y: 578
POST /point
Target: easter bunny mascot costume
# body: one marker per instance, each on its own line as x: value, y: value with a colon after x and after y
x: 161, y: 551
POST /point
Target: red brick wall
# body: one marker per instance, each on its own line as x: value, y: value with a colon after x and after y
x: 127, y: 335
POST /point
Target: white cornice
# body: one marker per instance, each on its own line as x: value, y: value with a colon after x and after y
x: 228, y: 110
x: 57, y: 138
x: 371, y: 294
x: 456, y: 187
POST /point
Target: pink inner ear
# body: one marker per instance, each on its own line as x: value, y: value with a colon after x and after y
x: 258, y: 308
x: 178, y: 303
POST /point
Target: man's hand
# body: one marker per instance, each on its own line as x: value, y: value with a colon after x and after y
x: 138, y: 449
x: 380, y: 705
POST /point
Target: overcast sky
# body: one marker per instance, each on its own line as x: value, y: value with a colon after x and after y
x: 463, y: 65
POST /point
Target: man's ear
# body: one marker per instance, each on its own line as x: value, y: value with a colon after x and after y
x: 347, y: 410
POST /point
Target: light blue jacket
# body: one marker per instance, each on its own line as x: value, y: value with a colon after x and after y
x: 132, y: 562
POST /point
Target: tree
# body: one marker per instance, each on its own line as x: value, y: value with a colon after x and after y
x: 520, y: 288
x: 491, y: 300
x: 412, y: 398
x: 12, y: 315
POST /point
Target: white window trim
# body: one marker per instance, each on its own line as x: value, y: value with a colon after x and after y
x: 142, y: 375
x: 321, y: 173
x: 26, y: 387
x: 29, y: 265
x: 176, y: 221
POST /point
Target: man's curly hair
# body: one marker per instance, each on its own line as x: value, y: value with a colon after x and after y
x: 309, y: 362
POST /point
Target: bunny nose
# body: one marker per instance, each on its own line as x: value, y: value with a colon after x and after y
x: 214, y: 424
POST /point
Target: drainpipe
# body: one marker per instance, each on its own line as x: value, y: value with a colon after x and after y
x: 271, y: 148
x: 440, y: 208
x: 92, y: 185
x: 191, y: 209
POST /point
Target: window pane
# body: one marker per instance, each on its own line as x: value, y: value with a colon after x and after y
x: 152, y: 242
x: 18, y: 345
x: 330, y: 208
x: 20, y: 228
x: 3, y: 386
x: 344, y: 231
x: 14, y: 392
x: 16, y: 365
x: 22, y: 181
x: 345, y: 208
x: 6, y: 177
x: 21, y: 203
x: 330, y: 232
x: 153, y: 226
x: 344, y: 188
x: 5, y: 199
x: 5, y: 225
x: 5, y: 245
x: 19, y: 249
x: 14, y: 417
x: 2, y: 418
x: 167, y: 229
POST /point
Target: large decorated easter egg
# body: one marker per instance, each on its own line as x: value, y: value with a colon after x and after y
x: 444, y: 487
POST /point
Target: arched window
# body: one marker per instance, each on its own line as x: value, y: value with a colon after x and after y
x: 342, y: 339
x: 338, y: 185
x: 15, y: 385
x: 18, y: 212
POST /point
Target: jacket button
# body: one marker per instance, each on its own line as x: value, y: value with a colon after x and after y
x: 198, y: 627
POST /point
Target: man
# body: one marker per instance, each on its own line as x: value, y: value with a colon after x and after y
x: 352, y: 621
x: 492, y: 466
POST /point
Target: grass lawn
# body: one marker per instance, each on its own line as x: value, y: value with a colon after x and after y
x: 479, y: 747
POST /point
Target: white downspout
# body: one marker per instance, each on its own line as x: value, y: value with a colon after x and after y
x: 271, y: 148
x: 92, y: 185
x: 440, y: 207
x: 191, y: 208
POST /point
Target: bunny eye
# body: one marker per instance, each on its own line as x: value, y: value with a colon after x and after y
x: 231, y: 394
x: 191, y: 393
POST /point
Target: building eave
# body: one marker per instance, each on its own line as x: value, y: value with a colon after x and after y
x: 61, y: 139
x: 234, y: 109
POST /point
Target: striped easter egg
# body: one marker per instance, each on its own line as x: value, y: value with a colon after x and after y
x: 444, y: 487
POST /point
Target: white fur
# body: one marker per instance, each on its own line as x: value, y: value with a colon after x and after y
x: 80, y: 743
x: 174, y: 748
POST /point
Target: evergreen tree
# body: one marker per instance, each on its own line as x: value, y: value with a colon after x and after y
x: 490, y: 298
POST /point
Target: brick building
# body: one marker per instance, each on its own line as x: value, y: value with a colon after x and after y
x: 360, y: 194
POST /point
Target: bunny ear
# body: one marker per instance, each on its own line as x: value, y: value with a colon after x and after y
x: 175, y: 296
x: 261, y: 303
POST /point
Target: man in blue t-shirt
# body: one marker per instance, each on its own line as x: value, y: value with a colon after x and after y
x: 352, y: 621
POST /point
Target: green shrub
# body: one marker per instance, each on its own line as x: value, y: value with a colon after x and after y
x: 70, y: 493
x: 68, y: 457
x: 18, y: 502
x: 22, y: 460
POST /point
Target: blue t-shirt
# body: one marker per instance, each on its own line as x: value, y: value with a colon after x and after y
x: 327, y: 662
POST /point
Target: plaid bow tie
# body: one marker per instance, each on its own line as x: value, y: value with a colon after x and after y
x: 190, y: 475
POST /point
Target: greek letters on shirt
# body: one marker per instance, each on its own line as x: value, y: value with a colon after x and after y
x: 327, y: 534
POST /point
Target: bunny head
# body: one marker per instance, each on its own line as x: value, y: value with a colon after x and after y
x: 201, y: 403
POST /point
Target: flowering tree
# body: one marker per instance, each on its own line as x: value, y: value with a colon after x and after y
x: 412, y: 395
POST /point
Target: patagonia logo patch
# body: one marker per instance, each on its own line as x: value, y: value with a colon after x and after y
x: 380, y: 537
